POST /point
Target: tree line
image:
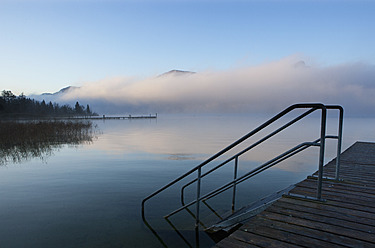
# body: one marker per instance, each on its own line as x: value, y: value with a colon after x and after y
x: 12, y: 105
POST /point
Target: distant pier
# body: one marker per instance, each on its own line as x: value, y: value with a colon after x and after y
x: 345, y: 218
x: 104, y: 117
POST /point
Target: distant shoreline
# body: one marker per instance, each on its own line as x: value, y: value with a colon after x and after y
x: 93, y: 117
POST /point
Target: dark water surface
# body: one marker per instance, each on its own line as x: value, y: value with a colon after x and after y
x: 90, y: 195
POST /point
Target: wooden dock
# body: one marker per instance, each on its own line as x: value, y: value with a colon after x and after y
x: 345, y: 219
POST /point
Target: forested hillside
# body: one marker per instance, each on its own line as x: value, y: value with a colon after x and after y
x: 20, y: 106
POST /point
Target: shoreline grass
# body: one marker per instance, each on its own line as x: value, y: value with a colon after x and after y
x: 23, y: 140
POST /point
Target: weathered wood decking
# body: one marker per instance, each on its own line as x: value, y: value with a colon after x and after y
x: 345, y: 219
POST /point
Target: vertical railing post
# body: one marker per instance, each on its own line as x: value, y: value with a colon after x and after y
x: 197, y: 206
x: 198, y: 196
x: 234, y: 184
x: 322, y: 149
x: 339, y: 143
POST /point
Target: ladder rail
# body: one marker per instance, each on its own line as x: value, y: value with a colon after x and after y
x: 319, y: 142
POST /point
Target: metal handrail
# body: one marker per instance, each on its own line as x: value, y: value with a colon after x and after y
x: 246, y: 150
x: 235, y: 157
x: 313, y: 107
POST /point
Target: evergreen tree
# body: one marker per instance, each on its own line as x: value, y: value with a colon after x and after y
x: 88, y: 111
x: 78, y: 109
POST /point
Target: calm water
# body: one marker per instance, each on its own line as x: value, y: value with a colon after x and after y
x: 90, y: 195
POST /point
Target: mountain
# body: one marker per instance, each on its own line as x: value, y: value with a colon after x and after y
x: 300, y: 64
x: 62, y: 91
x: 176, y: 73
x: 57, y: 97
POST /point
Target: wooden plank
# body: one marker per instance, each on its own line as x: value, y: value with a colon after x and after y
x: 234, y: 243
x: 329, y: 239
x: 342, y: 231
x: 345, y: 190
x: 338, y: 197
x: 325, y: 209
x: 348, y: 205
x: 362, y: 180
x: 331, y: 219
x: 352, y: 166
x: 287, y: 236
x: 355, y: 187
x: 261, y: 241
x: 352, y: 172
x: 349, y: 198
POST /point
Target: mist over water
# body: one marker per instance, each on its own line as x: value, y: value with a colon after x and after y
x: 264, y: 88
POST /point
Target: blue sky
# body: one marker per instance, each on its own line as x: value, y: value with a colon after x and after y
x: 47, y: 45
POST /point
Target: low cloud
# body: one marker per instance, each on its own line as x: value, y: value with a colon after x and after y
x: 264, y: 88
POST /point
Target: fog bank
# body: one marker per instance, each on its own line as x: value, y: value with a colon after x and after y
x: 268, y: 87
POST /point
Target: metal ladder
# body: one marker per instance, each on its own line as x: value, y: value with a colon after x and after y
x: 319, y: 142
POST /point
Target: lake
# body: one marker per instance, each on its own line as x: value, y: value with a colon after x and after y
x: 90, y: 195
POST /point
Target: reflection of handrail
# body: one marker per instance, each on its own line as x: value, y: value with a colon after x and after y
x: 319, y: 142
x: 155, y: 233
x: 178, y: 232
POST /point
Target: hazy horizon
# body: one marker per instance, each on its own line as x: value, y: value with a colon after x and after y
x: 268, y: 87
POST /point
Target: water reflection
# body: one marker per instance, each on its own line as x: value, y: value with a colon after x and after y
x: 23, y: 140
x: 198, y: 137
x: 90, y: 196
x: 181, y: 156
